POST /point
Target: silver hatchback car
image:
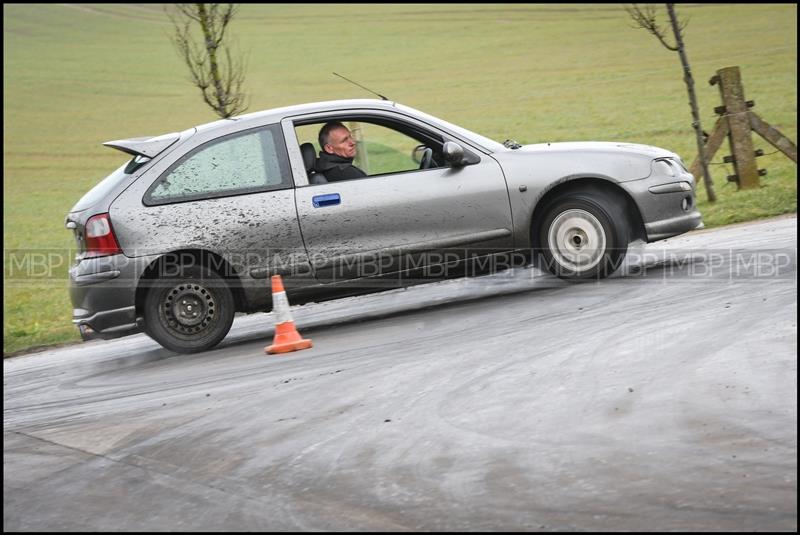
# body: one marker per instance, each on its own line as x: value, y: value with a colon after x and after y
x: 188, y: 232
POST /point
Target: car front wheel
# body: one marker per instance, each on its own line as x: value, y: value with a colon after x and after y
x: 189, y: 311
x: 583, y: 235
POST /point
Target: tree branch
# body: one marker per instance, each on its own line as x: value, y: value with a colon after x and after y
x: 220, y: 82
x: 646, y: 19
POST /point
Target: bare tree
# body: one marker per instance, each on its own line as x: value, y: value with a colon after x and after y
x: 646, y: 18
x: 219, y: 81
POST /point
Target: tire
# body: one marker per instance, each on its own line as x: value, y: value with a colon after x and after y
x: 190, y: 311
x: 583, y: 234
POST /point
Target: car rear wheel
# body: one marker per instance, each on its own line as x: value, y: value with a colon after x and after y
x: 189, y: 311
x: 583, y: 234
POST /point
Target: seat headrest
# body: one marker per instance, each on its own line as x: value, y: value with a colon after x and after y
x: 309, y: 156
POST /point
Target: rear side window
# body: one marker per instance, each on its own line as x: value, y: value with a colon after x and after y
x: 248, y: 162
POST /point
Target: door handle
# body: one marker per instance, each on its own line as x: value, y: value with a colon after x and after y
x: 330, y: 199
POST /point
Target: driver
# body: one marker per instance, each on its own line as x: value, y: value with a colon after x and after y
x: 338, y: 150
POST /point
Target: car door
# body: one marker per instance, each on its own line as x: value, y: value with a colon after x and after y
x: 406, y: 219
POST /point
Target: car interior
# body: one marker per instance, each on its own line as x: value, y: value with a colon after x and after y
x: 309, y: 160
x: 384, y: 147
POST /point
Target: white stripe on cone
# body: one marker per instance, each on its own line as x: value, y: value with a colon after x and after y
x: 280, y: 307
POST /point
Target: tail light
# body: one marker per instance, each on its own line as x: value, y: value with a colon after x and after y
x: 100, y: 239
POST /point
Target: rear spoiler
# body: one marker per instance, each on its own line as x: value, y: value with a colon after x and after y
x: 144, y: 146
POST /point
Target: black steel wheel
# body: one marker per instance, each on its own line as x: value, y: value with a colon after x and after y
x: 189, y: 311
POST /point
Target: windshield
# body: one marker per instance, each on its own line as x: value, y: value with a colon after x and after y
x: 105, y: 186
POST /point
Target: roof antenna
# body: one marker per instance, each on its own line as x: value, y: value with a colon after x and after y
x: 361, y: 86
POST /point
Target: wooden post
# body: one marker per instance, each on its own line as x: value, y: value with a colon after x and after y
x: 736, y: 123
x: 741, y: 142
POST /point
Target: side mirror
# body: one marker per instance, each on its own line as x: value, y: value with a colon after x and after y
x: 453, y: 154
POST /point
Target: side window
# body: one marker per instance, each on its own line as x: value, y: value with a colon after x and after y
x: 241, y: 163
x: 380, y: 149
x: 387, y: 150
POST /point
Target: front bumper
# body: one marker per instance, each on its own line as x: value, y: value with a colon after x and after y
x: 667, y: 205
x: 666, y: 228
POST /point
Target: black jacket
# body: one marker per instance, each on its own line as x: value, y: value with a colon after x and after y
x: 335, y: 167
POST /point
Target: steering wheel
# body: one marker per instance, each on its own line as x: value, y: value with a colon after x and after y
x: 427, y: 158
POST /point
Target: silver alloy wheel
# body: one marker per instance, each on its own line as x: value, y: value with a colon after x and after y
x: 577, y: 240
x: 189, y: 308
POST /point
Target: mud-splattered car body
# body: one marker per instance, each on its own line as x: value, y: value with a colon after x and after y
x: 191, y: 228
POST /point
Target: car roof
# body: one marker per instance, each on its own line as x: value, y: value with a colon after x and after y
x: 151, y: 146
x: 277, y: 114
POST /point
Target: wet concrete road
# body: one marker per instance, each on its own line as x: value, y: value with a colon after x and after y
x: 664, y: 398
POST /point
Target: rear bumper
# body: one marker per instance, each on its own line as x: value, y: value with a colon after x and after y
x: 107, y: 324
x: 103, y: 294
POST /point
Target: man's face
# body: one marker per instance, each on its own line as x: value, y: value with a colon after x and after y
x: 341, y: 143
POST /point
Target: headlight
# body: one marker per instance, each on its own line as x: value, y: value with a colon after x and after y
x: 663, y: 167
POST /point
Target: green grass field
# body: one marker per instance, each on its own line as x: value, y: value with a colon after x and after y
x: 77, y: 75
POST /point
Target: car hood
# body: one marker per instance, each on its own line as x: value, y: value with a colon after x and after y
x: 620, y: 162
x: 633, y: 149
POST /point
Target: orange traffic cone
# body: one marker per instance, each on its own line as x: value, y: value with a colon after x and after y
x: 286, y: 336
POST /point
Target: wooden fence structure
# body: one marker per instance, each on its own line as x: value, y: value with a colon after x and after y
x: 736, y: 122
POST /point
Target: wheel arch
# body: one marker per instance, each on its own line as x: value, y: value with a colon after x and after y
x: 583, y: 183
x: 202, y: 257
